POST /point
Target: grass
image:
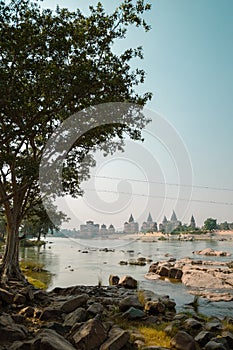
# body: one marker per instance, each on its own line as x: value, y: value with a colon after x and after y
x: 31, y: 266
x: 36, y: 274
x: 155, y: 336
x: 227, y: 326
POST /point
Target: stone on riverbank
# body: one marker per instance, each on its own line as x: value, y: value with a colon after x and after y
x: 212, y: 252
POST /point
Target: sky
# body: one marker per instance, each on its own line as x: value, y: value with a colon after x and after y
x: 185, y: 162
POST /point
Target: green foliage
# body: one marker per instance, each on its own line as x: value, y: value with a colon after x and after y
x: 37, y: 223
x: 224, y: 226
x: 31, y: 266
x: 52, y: 65
x: 210, y: 224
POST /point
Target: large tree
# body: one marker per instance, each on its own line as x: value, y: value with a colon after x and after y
x: 210, y: 224
x: 54, y: 64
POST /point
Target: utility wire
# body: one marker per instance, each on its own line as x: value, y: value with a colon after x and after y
x: 165, y: 183
x: 156, y: 196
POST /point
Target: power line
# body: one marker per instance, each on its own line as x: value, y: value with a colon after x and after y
x: 158, y: 197
x: 165, y: 183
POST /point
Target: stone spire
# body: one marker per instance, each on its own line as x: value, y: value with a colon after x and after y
x: 164, y: 220
x: 131, y: 219
x: 173, y: 217
x: 149, y: 219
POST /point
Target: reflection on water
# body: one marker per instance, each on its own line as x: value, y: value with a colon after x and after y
x: 81, y: 262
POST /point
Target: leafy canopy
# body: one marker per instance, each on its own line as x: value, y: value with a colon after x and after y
x: 52, y: 65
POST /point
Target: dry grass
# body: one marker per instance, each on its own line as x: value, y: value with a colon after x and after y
x: 155, y: 336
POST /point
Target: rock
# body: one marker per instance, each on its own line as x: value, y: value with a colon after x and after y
x: 90, y: 336
x: 95, y: 308
x: 57, y: 327
x: 41, y: 295
x: 73, y: 303
x: 212, y: 345
x: 6, y: 296
x: 130, y: 301
x: 19, y: 345
x: 163, y: 271
x: 137, y: 262
x: 128, y: 282
x: 153, y: 348
x: 116, y: 342
x: 113, y: 280
x: 170, y: 304
x: 153, y: 267
x: 18, y: 318
x: 214, y: 326
x: 183, y: 341
x: 50, y: 313
x: 79, y: 315
x: 203, y: 338
x: 192, y: 324
x: 139, y: 344
x: 221, y: 340
x: 154, y: 307
x: 133, y: 314
x: 211, y: 252
x: 201, y: 277
x: 122, y: 262
x: 49, y: 340
x: 175, y: 273
x: 229, y: 338
x: 9, y: 331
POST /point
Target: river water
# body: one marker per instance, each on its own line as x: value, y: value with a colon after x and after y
x: 66, y: 259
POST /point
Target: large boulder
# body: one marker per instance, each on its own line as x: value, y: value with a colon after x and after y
x: 90, y: 335
x: 183, y: 341
x: 154, y: 307
x: 49, y: 340
x: 133, y: 314
x: 113, y: 280
x: 73, y: 303
x: 116, y: 342
x: 212, y: 252
x: 128, y: 302
x: 79, y: 315
x: 128, y: 282
x: 9, y: 331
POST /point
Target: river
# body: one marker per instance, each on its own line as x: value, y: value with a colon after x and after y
x: 66, y: 259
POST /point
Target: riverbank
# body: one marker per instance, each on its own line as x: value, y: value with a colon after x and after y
x: 156, y: 236
x: 104, y: 318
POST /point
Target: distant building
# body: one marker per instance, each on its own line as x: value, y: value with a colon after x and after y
x: 90, y: 229
x: 149, y: 225
x: 167, y: 226
x: 192, y: 222
x: 131, y: 226
x: 111, y: 229
x: 103, y: 230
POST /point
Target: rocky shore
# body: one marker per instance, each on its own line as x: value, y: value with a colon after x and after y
x: 211, y: 279
x: 102, y: 318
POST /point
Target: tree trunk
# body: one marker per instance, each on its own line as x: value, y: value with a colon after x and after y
x: 10, y: 269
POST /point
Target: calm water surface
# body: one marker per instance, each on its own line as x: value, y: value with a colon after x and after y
x: 61, y: 255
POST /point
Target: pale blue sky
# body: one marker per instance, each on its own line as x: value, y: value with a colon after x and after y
x: 189, y: 65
